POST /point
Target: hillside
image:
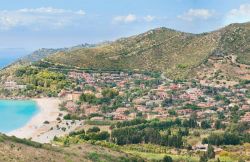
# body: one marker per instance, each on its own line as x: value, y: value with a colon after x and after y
x: 45, y: 52
x: 161, y: 49
x: 172, y: 52
x: 14, y: 149
x: 176, y: 54
x: 235, y: 40
x: 39, y: 54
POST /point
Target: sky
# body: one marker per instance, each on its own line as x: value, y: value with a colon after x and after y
x: 33, y: 24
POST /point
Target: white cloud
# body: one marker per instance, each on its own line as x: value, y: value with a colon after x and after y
x: 133, y: 18
x: 49, y: 10
x: 80, y: 12
x: 241, y: 14
x: 149, y: 18
x: 194, y: 14
x: 125, y: 19
x: 244, y: 10
x: 44, y: 17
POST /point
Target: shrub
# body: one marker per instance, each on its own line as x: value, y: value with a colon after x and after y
x: 167, y: 159
x: 93, y: 130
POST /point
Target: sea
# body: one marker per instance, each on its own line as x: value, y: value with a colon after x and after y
x: 15, y: 114
x: 10, y: 55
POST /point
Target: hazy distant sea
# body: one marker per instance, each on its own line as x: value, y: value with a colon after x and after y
x: 10, y: 55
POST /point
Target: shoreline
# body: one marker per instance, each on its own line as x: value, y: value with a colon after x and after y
x: 48, y: 111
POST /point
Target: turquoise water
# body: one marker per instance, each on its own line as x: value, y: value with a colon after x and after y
x: 14, y: 114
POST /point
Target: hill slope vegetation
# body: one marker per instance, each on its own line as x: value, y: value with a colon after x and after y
x: 15, y: 149
x: 172, y: 52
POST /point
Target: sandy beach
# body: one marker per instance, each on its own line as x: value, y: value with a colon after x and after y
x: 38, y: 131
x: 48, y: 111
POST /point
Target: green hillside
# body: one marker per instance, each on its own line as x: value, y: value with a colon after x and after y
x: 235, y: 39
x: 165, y: 50
x: 45, y: 52
x: 169, y: 51
x: 174, y: 53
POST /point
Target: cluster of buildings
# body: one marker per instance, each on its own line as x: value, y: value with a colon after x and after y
x: 12, y: 85
x: 95, y: 78
x: 163, y: 99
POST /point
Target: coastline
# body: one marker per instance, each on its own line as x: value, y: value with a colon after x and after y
x: 48, y: 111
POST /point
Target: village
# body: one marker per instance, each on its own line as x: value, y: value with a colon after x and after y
x: 105, y: 99
x: 111, y: 97
x: 141, y: 95
x: 148, y: 95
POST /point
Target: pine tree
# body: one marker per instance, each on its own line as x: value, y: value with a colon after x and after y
x: 210, y: 152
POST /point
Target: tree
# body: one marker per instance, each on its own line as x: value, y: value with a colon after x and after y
x: 183, y: 132
x: 226, y: 138
x: 151, y: 136
x: 191, y: 106
x: 167, y: 159
x: 103, y: 135
x: 185, y: 123
x: 110, y: 93
x: 221, y: 115
x: 203, y: 158
x: 210, y: 152
x: 90, y: 98
x: 216, y: 139
x: 205, y: 124
x: 126, y: 112
x: 167, y: 102
x: 66, y: 142
x: 218, y: 124
x: 172, y: 112
x: 178, y: 121
x: 193, y: 121
x: 231, y: 139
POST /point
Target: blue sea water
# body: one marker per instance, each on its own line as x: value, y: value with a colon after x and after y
x: 10, y: 55
x: 16, y: 113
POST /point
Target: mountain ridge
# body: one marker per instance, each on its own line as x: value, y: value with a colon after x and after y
x: 161, y: 49
x: 174, y: 53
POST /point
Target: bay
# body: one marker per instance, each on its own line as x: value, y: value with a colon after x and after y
x: 15, y: 114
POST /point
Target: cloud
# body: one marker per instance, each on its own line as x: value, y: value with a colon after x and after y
x: 130, y: 18
x: 125, y: 19
x: 50, y: 10
x: 197, y: 14
x: 149, y: 18
x: 241, y: 14
x: 35, y: 18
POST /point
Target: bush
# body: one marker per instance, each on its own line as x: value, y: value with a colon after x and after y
x: 93, y: 156
x: 167, y: 159
x: 74, y: 133
x: 196, y: 134
x: 93, y: 130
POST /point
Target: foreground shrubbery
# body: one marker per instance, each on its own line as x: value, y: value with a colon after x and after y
x: 18, y: 140
x: 93, y: 133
